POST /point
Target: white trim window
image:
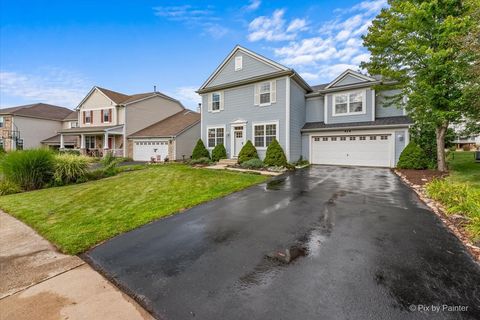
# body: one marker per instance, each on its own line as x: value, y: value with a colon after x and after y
x: 215, y: 101
x: 90, y: 142
x: 2, y: 122
x: 264, y: 133
x: 265, y: 93
x: 215, y: 136
x: 87, y: 116
x: 238, y: 63
x: 73, y: 124
x: 349, y: 103
x: 106, y: 115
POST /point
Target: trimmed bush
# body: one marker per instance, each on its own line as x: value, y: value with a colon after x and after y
x: 69, y: 151
x: 248, y: 152
x: 29, y: 169
x: 8, y: 187
x: 219, y: 152
x: 203, y: 160
x: 413, y: 157
x: 253, y: 164
x: 70, y: 168
x: 275, y: 155
x: 200, y: 151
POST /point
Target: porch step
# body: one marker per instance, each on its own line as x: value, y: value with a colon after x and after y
x: 228, y: 161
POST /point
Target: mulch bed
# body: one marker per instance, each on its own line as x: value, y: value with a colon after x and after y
x: 421, y: 177
x: 417, y: 179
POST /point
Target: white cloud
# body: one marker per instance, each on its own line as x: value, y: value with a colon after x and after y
x: 335, y: 45
x: 309, y: 76
x: 274, y: 28
x: 194, y: 17
x: 187, y: 96
x: 51, y: 85
x: 253, y: 5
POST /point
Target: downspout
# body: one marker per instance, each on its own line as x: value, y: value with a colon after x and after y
x: 287, y: 118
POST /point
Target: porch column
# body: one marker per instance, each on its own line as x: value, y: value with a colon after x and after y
x: 62, y: 143
x: 105, y: 143
x: 82, y: 143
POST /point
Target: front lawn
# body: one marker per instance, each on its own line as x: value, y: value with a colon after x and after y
x: 463, y: 168
x: 76, y: 217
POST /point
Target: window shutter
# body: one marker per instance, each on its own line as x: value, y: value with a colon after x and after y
x: 273, y: 91
x: 110, y: 115
x: 209, y: 101
x: 257, y: 95
x: 221, y: 100
x: 101, y: 115
x: 83, y: 116
x: 91, y: 116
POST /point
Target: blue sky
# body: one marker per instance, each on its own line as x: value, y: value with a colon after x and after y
x: 55, y: 51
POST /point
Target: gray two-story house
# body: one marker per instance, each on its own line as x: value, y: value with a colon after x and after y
x: 344, y: 122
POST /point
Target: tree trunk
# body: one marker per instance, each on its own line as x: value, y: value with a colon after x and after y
x: 440, y: 136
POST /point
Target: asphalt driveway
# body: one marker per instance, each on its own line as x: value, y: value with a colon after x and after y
x: 322, y: 243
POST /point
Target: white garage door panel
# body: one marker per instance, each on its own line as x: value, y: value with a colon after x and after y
x: 356, y: 152
x: 144, y: 150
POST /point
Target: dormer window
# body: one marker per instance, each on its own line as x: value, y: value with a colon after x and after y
x: 238, y: 63
x: 349, y: 103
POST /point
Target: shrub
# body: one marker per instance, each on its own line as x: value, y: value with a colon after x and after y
x: 203, y: 160
x: 458, y: 198
x: 252, y: 164
x: 70, y: 168
x: 29, y: 169
x: 248, y: 152
x: 109, y: 164
x: 275, y: 155
x: 413, y: 157
x: 69, y: 151
x: 219, y: 152
x: 301, y: 162
x: 200, y: 151
x: 8, y: 187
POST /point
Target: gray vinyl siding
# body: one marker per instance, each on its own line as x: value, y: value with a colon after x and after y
x: 185, y: 142
x: 297, y: 120
x: 400, y: 137
x: 239, y: 105
x: 348, y: 80
x: 350, y: 118
x: 391, y: 111
x: 252, y: 67
x: 306, y: 147
x: 314, y: 109
x: 33, y: 130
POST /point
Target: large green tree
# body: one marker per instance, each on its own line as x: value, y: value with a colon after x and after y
x: 428, y: 51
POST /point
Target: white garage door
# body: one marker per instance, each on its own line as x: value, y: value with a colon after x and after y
x: 144, y: 150
x: 354, y: 150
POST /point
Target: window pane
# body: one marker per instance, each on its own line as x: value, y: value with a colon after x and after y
x: 215, y: 97
x: 341, y: 108
x: 341, y: 99
x: 220, y: 132
x: 211, y: 142
x: 356, y: 107
x: 265, y: 87
x: 215, y: 101
x: 259, y: 142
x: 271, y: 129
x: 355, y: 97
x: 259, y: 130
x: 265, y: 98
x: 211, y: 133
x: 269, y: 139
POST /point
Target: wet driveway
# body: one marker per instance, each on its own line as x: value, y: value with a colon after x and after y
x: 322, y: 243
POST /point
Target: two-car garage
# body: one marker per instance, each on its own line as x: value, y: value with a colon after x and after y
x: 145, y: 150
x: 356, y: 150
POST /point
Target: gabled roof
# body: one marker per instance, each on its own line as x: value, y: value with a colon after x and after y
x: 125, y: 99
x: 352, y: 73
x: 38, y: 110
x: 254, y: 55
x: 169, y: 127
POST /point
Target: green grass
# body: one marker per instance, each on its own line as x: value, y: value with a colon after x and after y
x: 463, y: 168
x: 460, y: 191
x: 76, y: 217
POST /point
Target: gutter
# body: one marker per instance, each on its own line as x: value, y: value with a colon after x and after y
x: 385, y: 126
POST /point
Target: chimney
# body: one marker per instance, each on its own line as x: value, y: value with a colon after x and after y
x: 154, y: 88
x: 199, y: 108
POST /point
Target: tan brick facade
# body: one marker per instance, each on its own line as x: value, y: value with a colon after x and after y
x: 6, y: 133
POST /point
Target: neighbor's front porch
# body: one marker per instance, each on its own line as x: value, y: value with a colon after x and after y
x: 97, y: 141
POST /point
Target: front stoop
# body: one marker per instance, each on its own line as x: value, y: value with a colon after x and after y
x: 228, y: 162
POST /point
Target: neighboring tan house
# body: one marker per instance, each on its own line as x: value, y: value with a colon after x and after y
x: 69, y: 142
x: 106, y: 118
x: 174, y: 138
x: 344, y: 122
x: 24, y: 127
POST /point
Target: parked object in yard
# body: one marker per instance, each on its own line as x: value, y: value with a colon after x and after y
x: 477, y: 156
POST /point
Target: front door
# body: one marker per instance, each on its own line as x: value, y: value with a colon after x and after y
x: 110, y: 142
x: 238, y: 140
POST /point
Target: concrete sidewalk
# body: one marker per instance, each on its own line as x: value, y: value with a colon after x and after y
x: 38, y: 282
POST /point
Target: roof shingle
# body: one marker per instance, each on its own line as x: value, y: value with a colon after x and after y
x: 39, y: 110
x: 171, y: 126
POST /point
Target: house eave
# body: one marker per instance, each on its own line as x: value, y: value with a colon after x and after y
x: 385, y: 126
